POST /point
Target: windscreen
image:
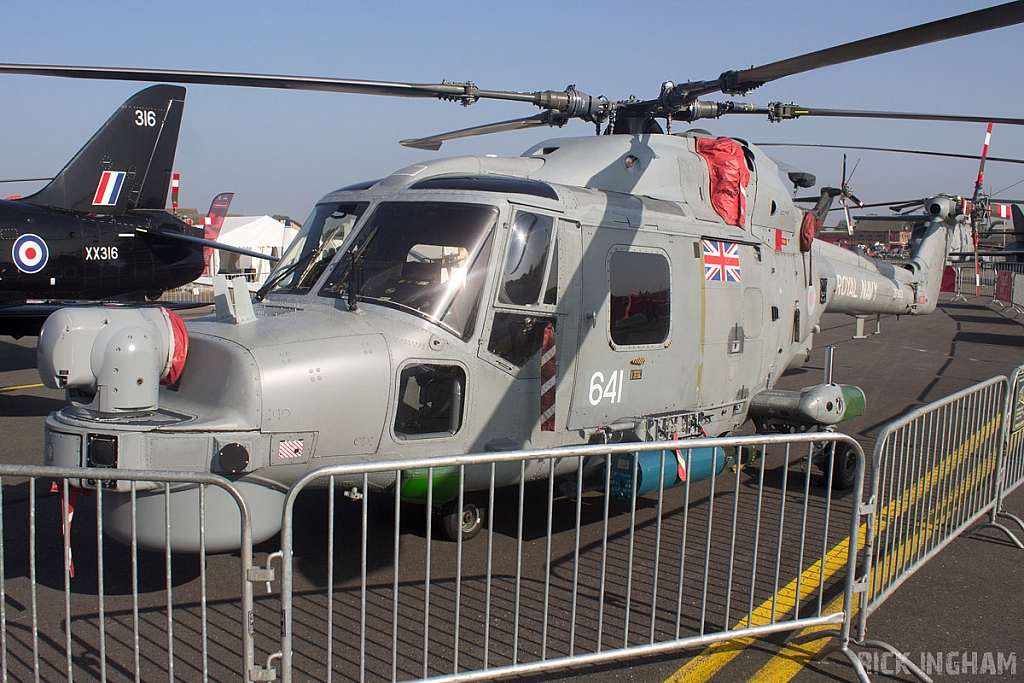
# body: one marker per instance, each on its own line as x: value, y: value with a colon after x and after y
x: 427, y: 258
x: 313, y: 248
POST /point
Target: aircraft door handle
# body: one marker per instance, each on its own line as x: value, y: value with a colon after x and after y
x: 592, y: 318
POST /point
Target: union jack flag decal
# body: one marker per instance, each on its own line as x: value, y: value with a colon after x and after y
x: 721, y: 261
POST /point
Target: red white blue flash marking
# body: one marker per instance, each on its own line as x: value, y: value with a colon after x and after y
x: 109, y: 188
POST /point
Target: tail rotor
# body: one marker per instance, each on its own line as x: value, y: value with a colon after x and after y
x: 846, y: 196
x: 979, y: 209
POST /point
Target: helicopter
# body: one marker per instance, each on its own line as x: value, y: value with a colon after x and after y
x: 635, y: 285
x: 973, y: 215
x: 98, y: 230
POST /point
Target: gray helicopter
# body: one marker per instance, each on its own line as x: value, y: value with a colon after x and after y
x: 974, y: 217
x: 636, y: 285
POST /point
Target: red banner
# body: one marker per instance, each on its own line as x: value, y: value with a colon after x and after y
x: 1004, y: 285
x: 948, y: 279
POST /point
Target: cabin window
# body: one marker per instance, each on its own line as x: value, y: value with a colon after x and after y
x: 640, y: 298
x: 526, y: 261
x: 430, y: 401
x: 517, y: 337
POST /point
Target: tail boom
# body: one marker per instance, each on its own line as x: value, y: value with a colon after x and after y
x: 860, y: 285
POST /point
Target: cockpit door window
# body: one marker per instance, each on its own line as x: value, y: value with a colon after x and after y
x: 527, y: 292
x: 526, y: 260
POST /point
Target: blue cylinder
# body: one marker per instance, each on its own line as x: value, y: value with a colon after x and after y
x: 698, y: 463
x: 703, y: 461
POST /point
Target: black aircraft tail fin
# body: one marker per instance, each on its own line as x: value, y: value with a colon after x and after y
x: 127, y: 164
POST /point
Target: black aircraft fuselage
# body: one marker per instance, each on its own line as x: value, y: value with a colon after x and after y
x: 98, y: 231
x: 48, y: 254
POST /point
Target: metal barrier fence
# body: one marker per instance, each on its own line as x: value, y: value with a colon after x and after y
x: 990, y: 280
x: 554, y: 581
x: 1011, y: 469
x: 113, y: 612
x: 1013, y: 475
x: 934, y: 473
x: 191, y: 293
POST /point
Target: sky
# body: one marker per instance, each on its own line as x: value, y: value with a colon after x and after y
x: 280, y: 151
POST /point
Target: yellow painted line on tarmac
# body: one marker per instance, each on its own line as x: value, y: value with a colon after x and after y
x: 882, y: 575
x: 713, y: 658
x: 23, y: 386
x: 793, y: 657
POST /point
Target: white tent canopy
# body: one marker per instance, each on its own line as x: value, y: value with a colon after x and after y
x: 255, y: 233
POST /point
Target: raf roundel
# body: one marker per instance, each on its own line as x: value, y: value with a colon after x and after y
x: 30, y: 253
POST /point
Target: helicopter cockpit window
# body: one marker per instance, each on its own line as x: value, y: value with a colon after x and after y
x: 516, y: 337
x: 430, y: 400
x: 526, y: 260
x: 313, y: 248
x: 640, y: 298
x: 427, y: 258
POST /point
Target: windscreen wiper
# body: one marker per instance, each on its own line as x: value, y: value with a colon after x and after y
x: 357, y: 254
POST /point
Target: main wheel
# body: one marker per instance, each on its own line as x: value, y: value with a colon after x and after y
x: 844, y: 467
x: 468, y: 521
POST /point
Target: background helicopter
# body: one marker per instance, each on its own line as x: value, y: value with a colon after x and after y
x: 974, y: 215
x: 419, y: 307
x: 98, y: 230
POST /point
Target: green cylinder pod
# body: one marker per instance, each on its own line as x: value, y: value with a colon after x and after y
x: 416, y: 482
x: 856, y: 402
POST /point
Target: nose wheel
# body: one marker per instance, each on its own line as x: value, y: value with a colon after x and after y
x: 844, y: 467
x: 466, y: 521
x: 844, y: 464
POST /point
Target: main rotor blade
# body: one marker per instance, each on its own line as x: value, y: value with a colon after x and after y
x: 906, y: 205
x: 778, y: 111
x: 679, y: 96
x: 433, y: 143
x: 340, y: 85
x: 952, y: 155
x: 23, y: 180
x: 809, y: 200
x: 571, y: 101
x: 943, y: 29
x: 903, y: 218
x: 917, y: 202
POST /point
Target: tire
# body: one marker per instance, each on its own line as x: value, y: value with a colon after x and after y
x: 467, y: 521
x: 844, y: 467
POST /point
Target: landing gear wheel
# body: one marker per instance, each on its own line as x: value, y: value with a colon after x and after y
x: 468, y: 521
x: 844, y: 467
